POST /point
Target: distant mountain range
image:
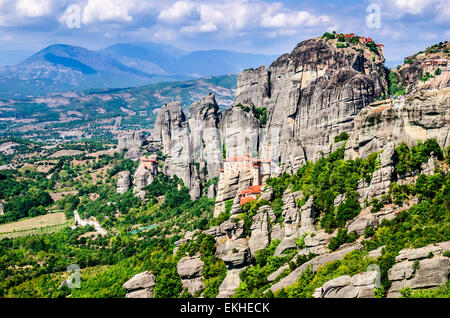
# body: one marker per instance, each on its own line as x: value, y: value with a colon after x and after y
x: 61, y: 67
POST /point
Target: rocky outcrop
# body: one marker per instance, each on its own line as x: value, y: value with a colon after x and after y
x: 420, y: 116
x: 361, y: 285
x: 424, y: 267
x: 123, y: 182
x: 190, y: 270
x: 412, y: 74
x: 2, y: 212
x: 230, y: 283
x: 172, y: 131
x: 132, y: 142
x: 382, y: 177
x: 291, y: 221
x: 361, y: 223
x: 315, y: 263
x: 235, y: 253
x: 261, y: 228
x: 143, y: 177
x: 240, y: 130
x: 308, y: 216
x: 140, y: 285
x: 230, y: 186
x: 206, y: 139
x: 311, y: 95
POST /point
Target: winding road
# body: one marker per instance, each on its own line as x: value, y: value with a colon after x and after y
x: 81, y: 222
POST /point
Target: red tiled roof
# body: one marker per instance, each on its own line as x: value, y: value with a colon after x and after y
x: 252, y: 190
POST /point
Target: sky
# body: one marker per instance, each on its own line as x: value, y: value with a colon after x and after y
x: 258, y: 26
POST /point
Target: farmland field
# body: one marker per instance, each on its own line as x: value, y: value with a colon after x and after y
x: 34, y: 223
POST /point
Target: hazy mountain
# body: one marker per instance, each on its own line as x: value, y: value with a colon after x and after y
x: 166, y: 59
x: 62, y: 67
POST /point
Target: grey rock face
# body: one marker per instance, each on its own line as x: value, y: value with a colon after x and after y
x: 252, y: 87
x: 123, y: 182
x: 235, y: 253
x: 315, y: 263
x: 1, y: 209
x: 171, y: 130
x: 143, y: 177
x: 190, y: 267
x: 420, y: 116
x: 230, y: 283
x: 140, y: 285
x: 320, y: 238
x: 193, y: 146
x: 205, y: 137
x: 358, y: 286
x: 311, y: 95
x: 133, y: 154
x: 307, y: 216
x: 190, y: 270
x: 361, y: 223
x: 420, y: 268
x: 240, y: 131
x: 260, y: 228
x: 382, y: 177
x: 132, y: 142
x: 291, y: 219
x: 229, y: 187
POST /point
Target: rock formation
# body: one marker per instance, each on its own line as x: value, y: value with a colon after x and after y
x: 311, y: 95
x: 413, y: 73
x: 140, y: 285
x: 423, y: 267
x: 206, y: 139
x: 132, y: 142
x: 123, y: 182
x: 190, y: 270
x: 261, y: 229
x: 361, y: 285
x: 420, y: 116
x: 144, y: 176
x: 315, y: 263
x: 172, y: 131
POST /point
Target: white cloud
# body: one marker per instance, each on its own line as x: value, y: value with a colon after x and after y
x: 412, y: 6
x: 107, y: 11
x: 179, y: 12
x: 34, y: 8
x: 293, y: 19
x: 201, y: 27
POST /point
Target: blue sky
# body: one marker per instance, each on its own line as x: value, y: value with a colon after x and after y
x: 272, y: 27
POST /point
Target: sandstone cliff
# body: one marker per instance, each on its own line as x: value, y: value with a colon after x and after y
x: 311, y: 95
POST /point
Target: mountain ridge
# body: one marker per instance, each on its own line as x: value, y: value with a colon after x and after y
x: 63, y: 67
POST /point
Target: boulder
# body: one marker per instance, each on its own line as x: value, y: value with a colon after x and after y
x: 235, y: 253
x: 190, y: 267
x: 140, y: 285
x: 361, y: 223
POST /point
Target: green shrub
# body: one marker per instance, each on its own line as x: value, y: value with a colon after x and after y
x: 343, y: 136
